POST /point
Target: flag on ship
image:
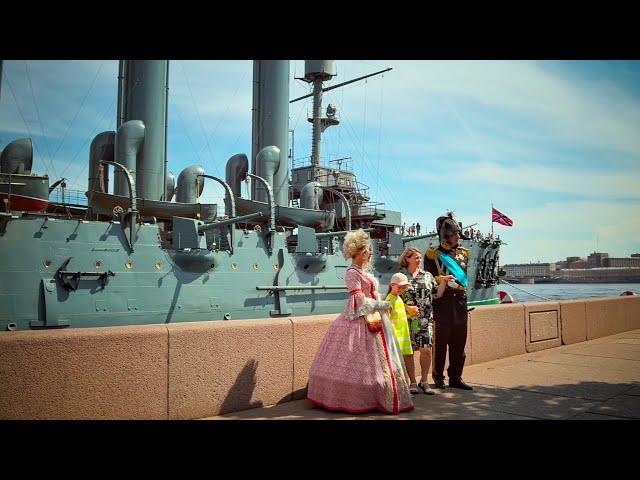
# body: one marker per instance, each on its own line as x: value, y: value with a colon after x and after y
x: 500, y: 218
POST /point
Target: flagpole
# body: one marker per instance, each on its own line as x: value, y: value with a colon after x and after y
x: 491, y: 219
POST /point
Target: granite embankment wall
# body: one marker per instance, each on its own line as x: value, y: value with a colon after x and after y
x: 195, y: 370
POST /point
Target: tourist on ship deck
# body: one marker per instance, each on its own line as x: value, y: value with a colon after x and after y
x: 418, y: 303
x: 450, y: 311
x: 358, y: 366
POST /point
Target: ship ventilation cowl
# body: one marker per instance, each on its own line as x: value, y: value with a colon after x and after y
x: 267, y: 165
x: 17, y: 157
x: 311, y: 196
x: 169, y: 186
x: 129, y: 144
x: 102, y: 148
x: 189, y: 184
x: 236, y: 171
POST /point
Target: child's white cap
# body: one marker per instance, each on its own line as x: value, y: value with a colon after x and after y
x: 399, y: 279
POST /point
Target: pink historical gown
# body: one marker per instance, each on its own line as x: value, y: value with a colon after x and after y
x: 356, y: 370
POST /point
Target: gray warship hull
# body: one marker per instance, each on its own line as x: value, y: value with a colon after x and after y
x: 59, y: 283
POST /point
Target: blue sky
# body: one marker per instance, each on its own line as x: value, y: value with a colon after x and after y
x: 553, y: 144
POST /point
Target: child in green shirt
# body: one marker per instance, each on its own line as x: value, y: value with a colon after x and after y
x: 397, y: 286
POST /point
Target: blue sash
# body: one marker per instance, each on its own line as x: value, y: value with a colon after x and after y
x: 454, y: 268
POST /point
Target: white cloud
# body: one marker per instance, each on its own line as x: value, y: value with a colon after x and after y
x: 576, y: 181
x: 550, y: 107
x: 555, y: 230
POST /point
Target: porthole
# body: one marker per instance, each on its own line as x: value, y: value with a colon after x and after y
x: 47, y: 263
x: 128, y: 264
x: 234, y: 266
x: 255, y: 266
x: 158, y: 265
x: 276, y: 267
x: 97, y: 264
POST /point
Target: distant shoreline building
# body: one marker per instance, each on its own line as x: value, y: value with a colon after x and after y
x: 598, y: 267
x: 529, y: 269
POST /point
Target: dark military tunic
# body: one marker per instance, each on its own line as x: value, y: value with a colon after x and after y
x: 449, y: 312
x: 452, y: 307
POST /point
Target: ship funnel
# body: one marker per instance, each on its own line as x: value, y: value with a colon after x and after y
x: 267, y: 166
x: 190, y: 185
x: 170, y: 186
x: 142, y: 96
x: 17, y: 156
x: 271, y: 124
x: 311, y: 196
x: 236, y: 171
x: 128, y: 146
x: 102, y: 148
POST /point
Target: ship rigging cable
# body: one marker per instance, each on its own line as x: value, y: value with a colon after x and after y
x: 216, y: 165
x: 193, y: 100
x: 524, y: 291
x: 186, y: 131
x: 64, y: 137
x: 379, y: 133
x: 367, y: 161
x: 35, y: 146
x: 111, y: 124
x: 35, y: 103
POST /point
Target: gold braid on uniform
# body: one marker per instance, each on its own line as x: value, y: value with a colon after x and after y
x: 432, y: 253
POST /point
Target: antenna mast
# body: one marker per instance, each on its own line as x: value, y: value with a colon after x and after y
x: 316, y: 72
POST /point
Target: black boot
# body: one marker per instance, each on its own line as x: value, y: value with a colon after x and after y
x: 459, y: 383
x: 439, y: 383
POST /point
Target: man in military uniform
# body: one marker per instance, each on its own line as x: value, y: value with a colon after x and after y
x: 449, y: 311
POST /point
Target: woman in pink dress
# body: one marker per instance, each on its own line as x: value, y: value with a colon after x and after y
x: 357, y: 370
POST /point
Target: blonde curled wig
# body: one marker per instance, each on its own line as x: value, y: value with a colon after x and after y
x: 406, y: 254
x: 354, y: 242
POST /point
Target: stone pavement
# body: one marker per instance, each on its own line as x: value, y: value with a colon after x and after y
x: 594, y: 380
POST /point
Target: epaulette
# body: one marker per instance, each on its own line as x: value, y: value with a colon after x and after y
x: 465, y: 251
x: 432, y: 253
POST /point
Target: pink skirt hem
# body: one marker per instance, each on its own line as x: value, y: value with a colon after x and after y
x: 365, y: 410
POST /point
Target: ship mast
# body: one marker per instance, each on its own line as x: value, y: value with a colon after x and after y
x: 316, y: 72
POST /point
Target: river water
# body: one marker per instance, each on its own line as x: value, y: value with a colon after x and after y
x: 565, y: 291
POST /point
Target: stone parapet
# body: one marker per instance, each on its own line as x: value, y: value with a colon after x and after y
x: 203, y: 369
x: 497, y: 331
x: 84, y: 373
x: 226, y: 366
x: 543, y: 326
x: 573, y: 315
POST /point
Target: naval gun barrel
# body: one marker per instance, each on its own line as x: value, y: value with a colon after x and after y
x: 339, y: 234
x: 230, y: 221
x: 419, y: 237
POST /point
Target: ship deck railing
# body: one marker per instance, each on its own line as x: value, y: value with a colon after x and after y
x: 73, y: 198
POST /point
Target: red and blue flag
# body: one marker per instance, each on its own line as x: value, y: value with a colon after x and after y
x: 500, y: 218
